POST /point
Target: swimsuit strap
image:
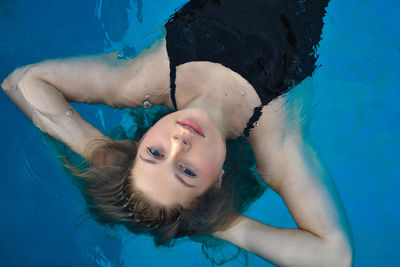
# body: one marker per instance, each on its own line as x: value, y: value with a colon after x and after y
x: 172, y: 77
x: 253, y: 120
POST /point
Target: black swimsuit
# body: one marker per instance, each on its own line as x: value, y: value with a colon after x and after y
x: 270, y: 43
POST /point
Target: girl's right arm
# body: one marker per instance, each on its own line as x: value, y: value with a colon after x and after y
x: 42, y: 91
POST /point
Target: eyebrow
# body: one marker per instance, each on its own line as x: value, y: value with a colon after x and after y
x: 180, y: 179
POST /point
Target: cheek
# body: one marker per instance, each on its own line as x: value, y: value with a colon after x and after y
x: 212, y: 160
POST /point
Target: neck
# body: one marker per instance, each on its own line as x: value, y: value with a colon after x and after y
x: 214, y: 111
x: 224, y: 94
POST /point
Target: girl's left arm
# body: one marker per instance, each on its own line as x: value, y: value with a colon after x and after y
x: 288, y: 162
x: 49, y: 110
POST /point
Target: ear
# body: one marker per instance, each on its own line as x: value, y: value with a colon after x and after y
x: 218, y: 181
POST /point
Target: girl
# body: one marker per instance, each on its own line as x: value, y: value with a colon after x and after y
x: 225, y: 66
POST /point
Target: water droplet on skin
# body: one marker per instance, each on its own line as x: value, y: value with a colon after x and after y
x: 242, y: 92
x: 121, y: 55
x: 69, y: 112
x: 127, y: 52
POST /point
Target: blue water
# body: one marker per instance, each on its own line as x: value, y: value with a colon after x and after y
x: 356, y: 126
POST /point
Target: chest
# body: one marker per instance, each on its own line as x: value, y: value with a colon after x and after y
x: 222, y: 86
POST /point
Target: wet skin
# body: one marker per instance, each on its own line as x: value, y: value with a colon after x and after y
x: 175, y: 164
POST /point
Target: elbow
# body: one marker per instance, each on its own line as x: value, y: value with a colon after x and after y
x: 13, y: 80
x: 345, y: 259
x: 348, y: 256
x: 6, y: 85
x: 348, y: 250
x: 342, y: 254
x: 336, y: 258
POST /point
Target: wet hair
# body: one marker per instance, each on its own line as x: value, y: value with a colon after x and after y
x: 113, y: 200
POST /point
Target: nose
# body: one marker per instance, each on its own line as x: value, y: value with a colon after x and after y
x: 182, y: 143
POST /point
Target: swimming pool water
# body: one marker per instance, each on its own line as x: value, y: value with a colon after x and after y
x: 356, y: 126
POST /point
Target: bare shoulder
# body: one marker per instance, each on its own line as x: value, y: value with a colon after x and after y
x: 271, y: 123
x: 146, y: 74
x: 287, y: 114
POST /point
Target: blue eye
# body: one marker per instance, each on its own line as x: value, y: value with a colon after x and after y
x: 188, y: 171
x: 154, y: 152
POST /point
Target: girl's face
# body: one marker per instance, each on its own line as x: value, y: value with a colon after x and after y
x: 180, y: 157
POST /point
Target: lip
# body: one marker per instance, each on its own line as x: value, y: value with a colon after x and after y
x: 191, y: 126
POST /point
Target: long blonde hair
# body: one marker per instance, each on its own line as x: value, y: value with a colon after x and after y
x: 111, y: 199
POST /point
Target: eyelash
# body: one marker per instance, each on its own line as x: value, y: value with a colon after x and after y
x: 184, y: 173
x: 151, y: 152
